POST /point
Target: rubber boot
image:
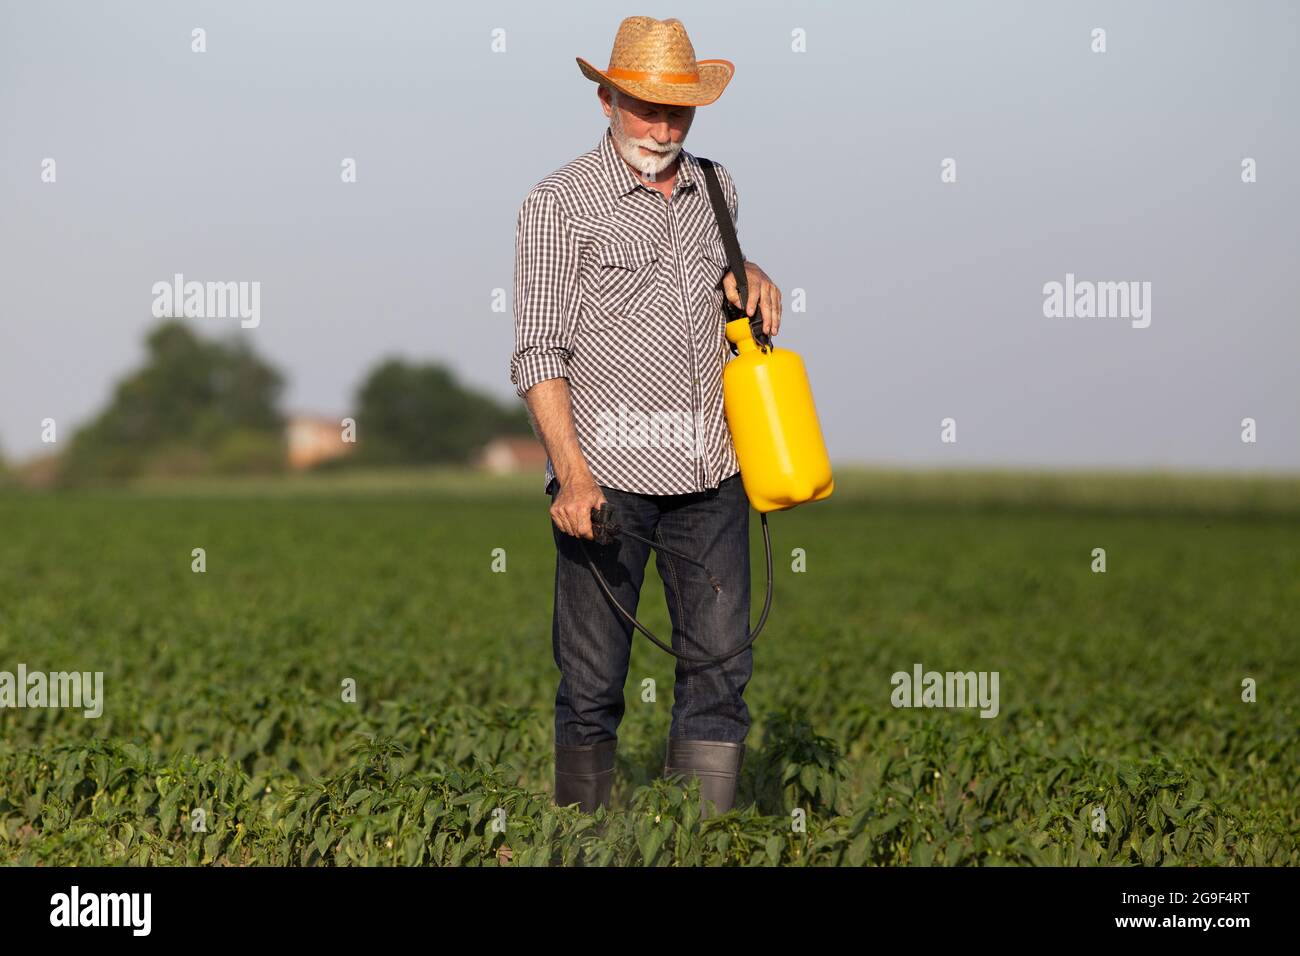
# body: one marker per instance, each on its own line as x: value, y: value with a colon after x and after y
x: 717, y: 765
x: 584, y: 774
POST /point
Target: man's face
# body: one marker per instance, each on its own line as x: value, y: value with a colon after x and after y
x: 647, y: 135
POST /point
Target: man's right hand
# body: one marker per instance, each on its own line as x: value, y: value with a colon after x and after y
x: 571, y: 508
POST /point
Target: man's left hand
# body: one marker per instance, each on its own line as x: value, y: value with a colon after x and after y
x: 763, y: 294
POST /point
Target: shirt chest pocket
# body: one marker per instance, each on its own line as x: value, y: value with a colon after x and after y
x: 711, y: 265
x: 623, y: 283
x: 713, y: 262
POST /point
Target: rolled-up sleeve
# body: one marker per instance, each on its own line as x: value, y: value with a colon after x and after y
x: 546, y: 293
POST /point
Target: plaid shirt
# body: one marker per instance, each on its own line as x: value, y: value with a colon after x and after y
x: 619, y: 290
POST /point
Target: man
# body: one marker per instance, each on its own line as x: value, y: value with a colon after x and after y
x: 620, y: 273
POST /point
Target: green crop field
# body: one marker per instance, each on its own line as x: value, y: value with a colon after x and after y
x: 1121, y: 738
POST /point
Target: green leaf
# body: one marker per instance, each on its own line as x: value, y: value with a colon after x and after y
x: 883, y: 825
x: 859, y: 849
x: 808, y: 779
x: 324, y: 837
x: 774, y: 847
x: 650, y: 844
x: 167, y: 814
x: 922, y: 853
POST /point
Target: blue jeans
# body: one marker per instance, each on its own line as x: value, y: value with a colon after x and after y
x: 592, y: 641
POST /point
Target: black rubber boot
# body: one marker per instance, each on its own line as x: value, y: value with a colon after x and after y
x: 584, y: 774
x: 717, y: 765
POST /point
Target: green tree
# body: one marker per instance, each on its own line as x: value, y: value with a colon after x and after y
x: 197, y: 406
x: 420, y: 414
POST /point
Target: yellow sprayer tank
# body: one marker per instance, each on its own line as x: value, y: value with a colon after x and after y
x: 773, y: 422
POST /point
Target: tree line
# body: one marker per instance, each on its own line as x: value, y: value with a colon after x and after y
x: 211, y: 407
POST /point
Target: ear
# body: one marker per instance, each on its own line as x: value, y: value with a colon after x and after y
x: 602, y: 93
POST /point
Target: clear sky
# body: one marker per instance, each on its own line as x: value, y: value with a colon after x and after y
x: 924, y: 299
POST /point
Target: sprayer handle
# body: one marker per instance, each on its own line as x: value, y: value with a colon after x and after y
x: 761, y: 338
x: 603, y: 527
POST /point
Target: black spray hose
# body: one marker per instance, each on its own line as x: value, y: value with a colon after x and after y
x: 604, y: 530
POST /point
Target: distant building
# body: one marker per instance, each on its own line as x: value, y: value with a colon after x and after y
x: 312, y: 439
x: 512, y: 453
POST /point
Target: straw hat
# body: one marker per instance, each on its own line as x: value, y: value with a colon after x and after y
x: 653, y: 60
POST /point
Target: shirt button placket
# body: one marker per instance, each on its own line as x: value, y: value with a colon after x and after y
x: 698, y: 451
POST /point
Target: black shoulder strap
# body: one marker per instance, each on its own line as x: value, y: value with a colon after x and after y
x: 732, y: 245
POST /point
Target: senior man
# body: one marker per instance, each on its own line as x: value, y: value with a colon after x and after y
x: 620, y: 273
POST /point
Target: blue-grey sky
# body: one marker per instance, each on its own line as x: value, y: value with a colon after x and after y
x: 924, y: 298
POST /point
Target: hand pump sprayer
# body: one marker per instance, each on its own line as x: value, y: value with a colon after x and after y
x: 773, y: 423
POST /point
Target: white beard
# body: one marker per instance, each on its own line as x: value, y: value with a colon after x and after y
x: 651, y: 165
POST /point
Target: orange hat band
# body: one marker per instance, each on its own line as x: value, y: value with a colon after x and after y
x: 645, y: 76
